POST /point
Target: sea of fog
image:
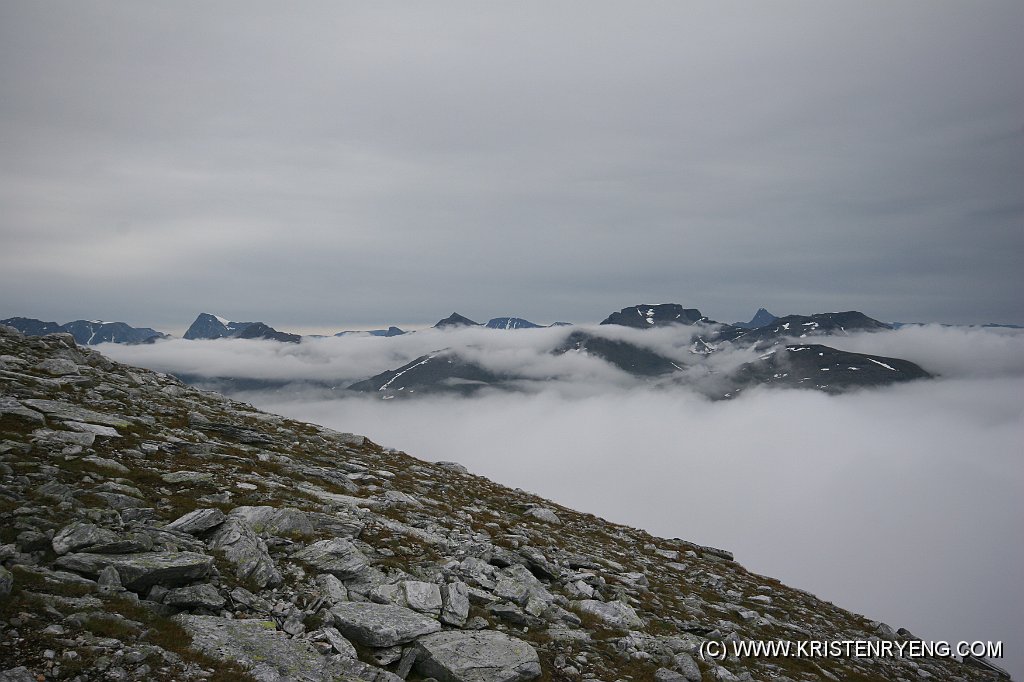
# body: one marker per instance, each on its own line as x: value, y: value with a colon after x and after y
x: 903, y: 503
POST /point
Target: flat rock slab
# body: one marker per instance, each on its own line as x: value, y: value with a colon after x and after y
x: 141, y: 571
x: 481, y: 656
x: 273, y: 521
x: 338, y: 557
x: 198, y: 521
x: 381, y: 625
x: 62, y: 410
x: 257, y: 644
x: 614, y: 613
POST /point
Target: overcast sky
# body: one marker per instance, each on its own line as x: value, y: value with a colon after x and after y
x: 340, y: 165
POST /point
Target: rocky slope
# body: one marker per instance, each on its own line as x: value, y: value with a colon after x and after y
x: 153, y: 531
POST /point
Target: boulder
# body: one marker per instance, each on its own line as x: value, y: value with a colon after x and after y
x: 270, y: 655
x: 141, y: 571
x: 381, y: 625
x: 243, y: 548
x: 455, y: 600
x: 78, y: 535
x: 270, y: 521
x: 480, y: 656
x: 422, y: 596
x: 203, y: 595
x: 197, y: 522
x: 613, y: 613
x: 338, y: 557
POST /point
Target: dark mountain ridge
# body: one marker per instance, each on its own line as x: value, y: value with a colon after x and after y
x: 87, y: 332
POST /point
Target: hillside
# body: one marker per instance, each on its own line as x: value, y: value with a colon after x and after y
x: 154, y: 531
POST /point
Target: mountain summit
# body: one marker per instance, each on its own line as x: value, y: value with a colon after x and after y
x: 207, y: 326
x: 455, y: 320
x: 646, y: 316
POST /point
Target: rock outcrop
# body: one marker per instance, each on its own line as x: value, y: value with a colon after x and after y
x: 153, y: 531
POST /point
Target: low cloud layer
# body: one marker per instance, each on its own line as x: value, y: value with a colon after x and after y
x: 900, y: 503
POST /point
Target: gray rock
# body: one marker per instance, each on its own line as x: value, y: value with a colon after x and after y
x: 103, y: 462
x: 332, y: 588
x: 203, y: 595
x: 243, y: 548
x: 455, y: 600
x: 58, y: 367
x: 273, y: 521
x: 481, y: 656
x: 78, y: 535
x: 109, y: 580
x: 244, y: 597
x: 197, y: 522
x: 9, y: 407
x: 545, y: 515
x: 685, y: 664
x: 614, y: 613
x: 6, y: 582
x: 67, y: 411
x: 19, y: 674
x: 140, y: 571
x: 338, y: 557
x: 95, y: 429
x: 381, y: 625
x: 119, y: 501
x: 270, y: 655
x: 339, y: 643
x: 422, y: 596
x: 666, y: 675
x: 176, y: 477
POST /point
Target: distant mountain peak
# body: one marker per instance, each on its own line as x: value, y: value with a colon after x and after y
x: 510, y: 323
x: 761, y: 318
x: 210, y: 326
x: 645, y: 316
x: 456, y: 320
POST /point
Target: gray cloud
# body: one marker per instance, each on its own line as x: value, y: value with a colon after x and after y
x: 349, y: 164
x: 900, y: 503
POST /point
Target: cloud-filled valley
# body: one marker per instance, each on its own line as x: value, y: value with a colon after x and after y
x: 900, y: 502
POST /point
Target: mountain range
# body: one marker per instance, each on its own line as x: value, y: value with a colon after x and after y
x: 779, y: 363
x: 87, y: 332
x: 790, y: 349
